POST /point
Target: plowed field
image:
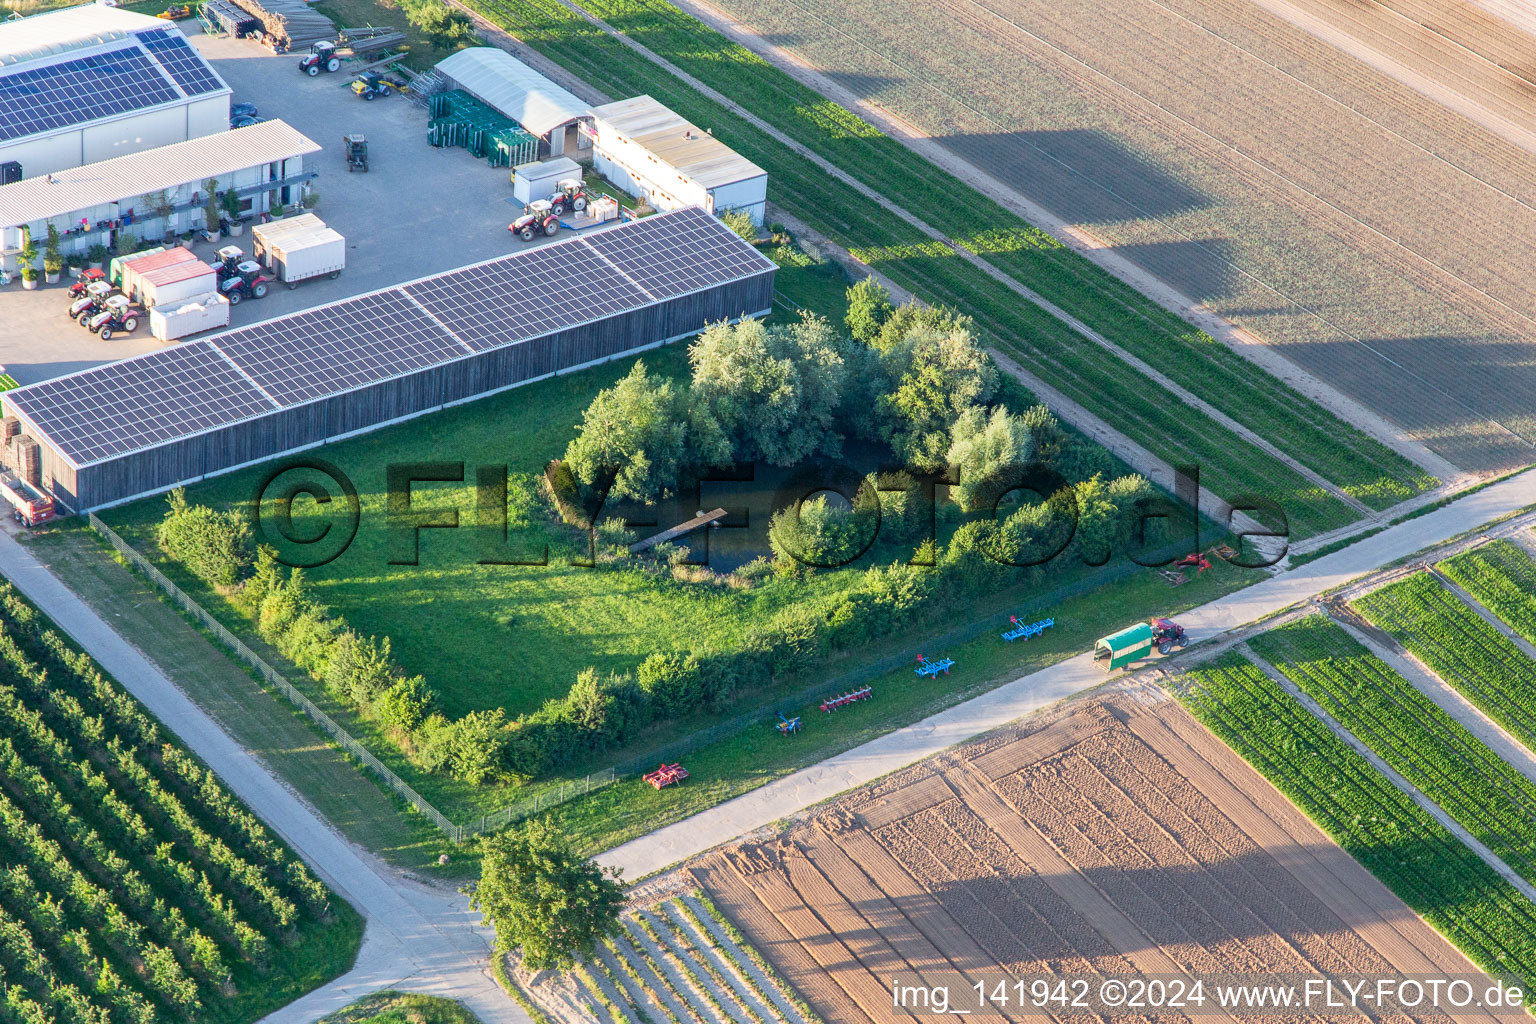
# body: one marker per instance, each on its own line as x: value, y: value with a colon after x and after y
x: 1378, y: 237
x: 1119, y: 838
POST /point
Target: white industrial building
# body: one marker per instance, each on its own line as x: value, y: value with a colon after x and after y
x: 654, y: 154
x: 155, y: 193
x: 505, y: 84
x: 89, y: 83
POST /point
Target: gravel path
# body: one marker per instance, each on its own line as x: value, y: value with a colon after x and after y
x: 418, y: 939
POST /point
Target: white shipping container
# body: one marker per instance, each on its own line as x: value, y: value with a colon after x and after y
x: 202, y: 313
x: 176, y: 284
x: 135, y: 269
x: 301, y: 257
x: 537, y: 180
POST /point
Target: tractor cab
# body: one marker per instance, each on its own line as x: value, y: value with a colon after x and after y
x: 570, y: 196
x: 540, y: 219
x: 357, y: 151
x: 83, y: 309
x: 88, y: 275
x: 369, y: 84
x: 1167, y: 634
x: 117, y: 316
x: 245, y: 281
x: 227, y: 259
x: 321, y: 57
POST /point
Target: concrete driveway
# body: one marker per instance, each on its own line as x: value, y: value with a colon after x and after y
x: 418, y: 210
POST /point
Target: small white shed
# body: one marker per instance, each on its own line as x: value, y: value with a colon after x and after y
x: 537, y: 180
x: 655, y: 154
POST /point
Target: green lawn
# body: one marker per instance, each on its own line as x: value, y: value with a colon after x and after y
x: 402, y: 1008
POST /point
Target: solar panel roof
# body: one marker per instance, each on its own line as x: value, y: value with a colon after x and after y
x: 75, y: 91
x: 137, y: 403
x: 679, y: 252
x: 334, y: 348
x: 140, y: 402
x: 173, y: 51
x: 528, y: 294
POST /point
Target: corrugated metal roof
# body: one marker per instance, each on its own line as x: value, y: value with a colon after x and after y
x: 676, y: 142
x: 128, y: 177
x: 72, y: 28
x: 497, y: 78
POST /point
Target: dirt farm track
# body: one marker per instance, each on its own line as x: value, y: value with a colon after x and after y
x: 1378, y: 236
x: 1118, y: 837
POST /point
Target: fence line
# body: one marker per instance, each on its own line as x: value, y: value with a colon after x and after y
x: 455, y: 833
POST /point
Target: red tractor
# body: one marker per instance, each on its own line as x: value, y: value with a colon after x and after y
x: 540, y: 218
x: 77, y: 290
x: 1167, y: 635
x: 570, y: 197
x: 85, y: 308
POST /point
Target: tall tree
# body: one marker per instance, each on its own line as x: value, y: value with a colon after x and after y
x: 939, y: 375
x: 644, y: 430
x: 544, y: 899
x: 772, y: 391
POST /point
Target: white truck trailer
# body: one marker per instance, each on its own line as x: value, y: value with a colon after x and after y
x: 299, y: 251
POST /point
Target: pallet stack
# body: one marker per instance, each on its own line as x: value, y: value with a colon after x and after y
x: 27, y: 457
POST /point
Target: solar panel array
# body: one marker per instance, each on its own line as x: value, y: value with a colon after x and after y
x: 323, y: 351
x: 139, y: 402
x: 680, y: 253
x: 527, y: 295
x: 119, y: 80
x: 185, y: 64
x: 84, y: 89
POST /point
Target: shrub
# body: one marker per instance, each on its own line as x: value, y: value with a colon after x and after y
x: 477, y: 745
x: 740, y: 221
x: 358, y: 669
x: 672, y: 684
x: 822, y: 534
x: 869, y: 307
x: 407, y: 703
x: 216, y: 547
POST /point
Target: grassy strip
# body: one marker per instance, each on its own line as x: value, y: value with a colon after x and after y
x: 1413, y: 734
x: 785, y: 989
x: 590, y: 983
x: 1361, y: 465
x: 1374, y: 821
x: 1503, y: 579
x: 651, y: 962
x: 1069, y: 362
x: 639, y: 1011
x: 390, y: 1007
x: 640, y: 982
x: 688, y: 973
x: 1481, y: 663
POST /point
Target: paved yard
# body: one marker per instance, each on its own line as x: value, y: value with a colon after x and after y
x: 418, y: 211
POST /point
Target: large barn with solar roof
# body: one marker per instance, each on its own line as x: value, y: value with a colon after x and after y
x: 91, y: 83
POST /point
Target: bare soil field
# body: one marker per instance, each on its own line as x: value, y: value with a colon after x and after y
x: 1378, y: 239
x: 1119, y: 837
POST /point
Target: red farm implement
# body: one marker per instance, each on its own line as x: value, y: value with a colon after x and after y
x: 833, y: 703
x: 666, y: 775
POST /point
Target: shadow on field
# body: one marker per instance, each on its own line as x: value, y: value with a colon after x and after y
x: 1083, y: 176
x: 1201, y: 268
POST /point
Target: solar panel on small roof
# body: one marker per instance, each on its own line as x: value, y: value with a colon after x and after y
x: 119, y: 407
x: 338, y: 347
x: 674, y: 253
x: 171, y: 49
x: 81, y: 90
x: 527, y: 295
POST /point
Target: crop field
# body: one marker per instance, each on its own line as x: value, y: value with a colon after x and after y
x: 1361, y: 228
x: 676, y: 961
x: 1502, y: 577
x: 1461, y: 648
x: 1143, y: 411
x: 135, y: 888
x: 1372, y: 820
x: 1119, y: 837
x: 1433, y: 751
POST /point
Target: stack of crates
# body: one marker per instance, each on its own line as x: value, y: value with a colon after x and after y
x: 458, y: 119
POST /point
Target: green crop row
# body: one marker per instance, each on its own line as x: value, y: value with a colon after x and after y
x: 1503, y: 579
x: 150, y: 891
x: 1461, y: 647
x: 1412, y: 733
x: 1321, y: 441
x: 1374, y: 821
x: 1083, y: 371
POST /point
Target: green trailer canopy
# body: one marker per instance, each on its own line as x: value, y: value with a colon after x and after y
x: 115, y: 268
x: 1124, y: 647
